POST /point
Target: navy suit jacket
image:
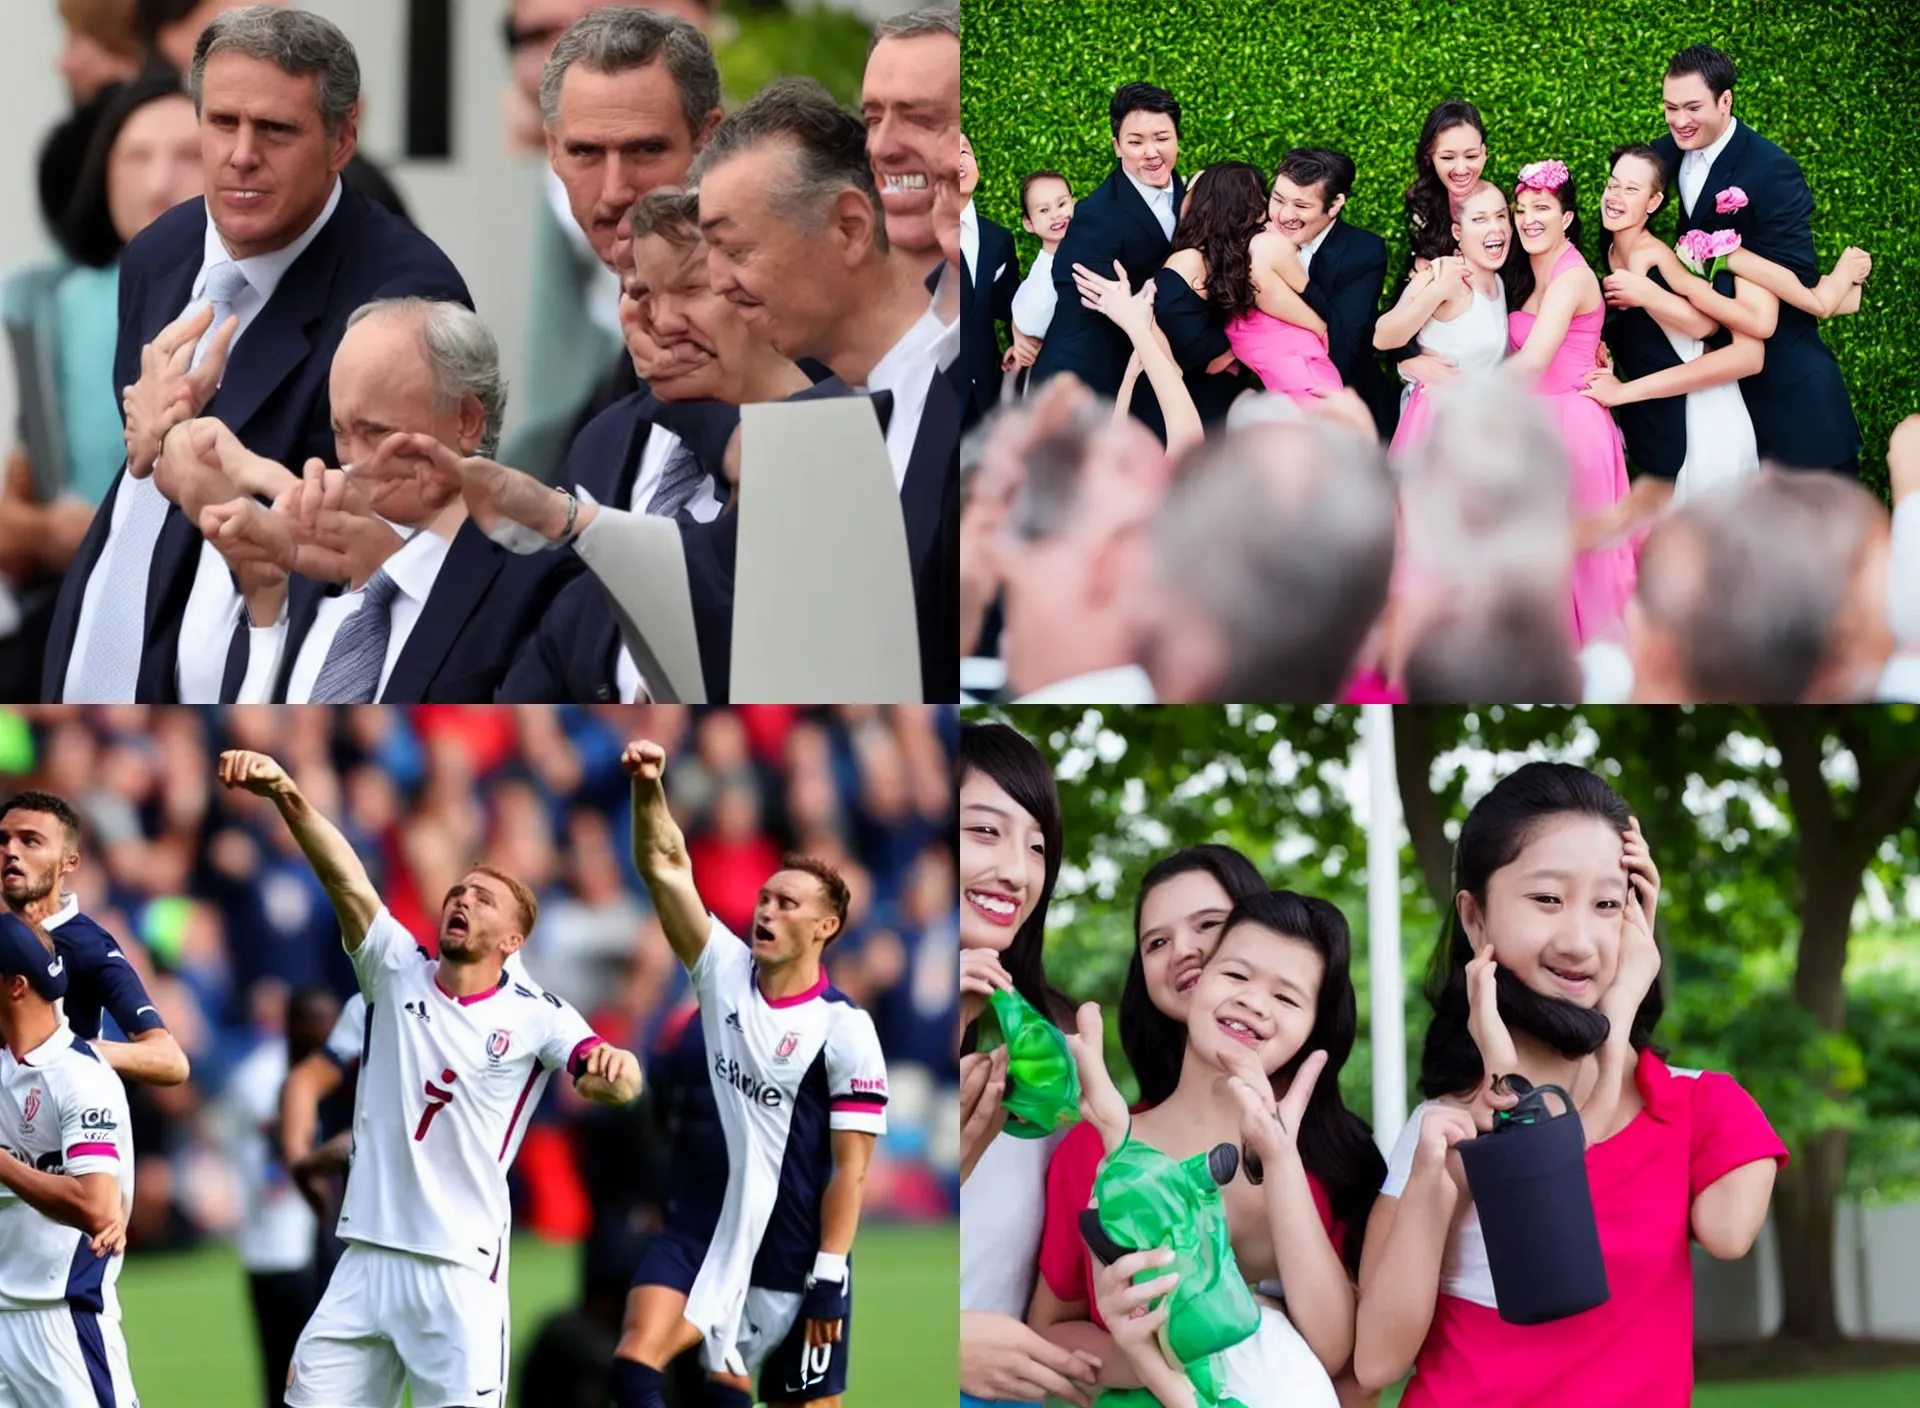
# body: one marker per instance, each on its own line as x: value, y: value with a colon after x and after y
x: 273, y: 395
x: 572, y: 656
x: 1798, y: 401
x: 1113, y: 222
x: 998, y: 268
x: 1343, y: 287
x: 484, y: 602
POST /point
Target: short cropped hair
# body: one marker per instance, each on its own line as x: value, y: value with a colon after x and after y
x: 669, y: 213
x: 618, y: 39
x: 523, y: 897
x: 462, y: 353
x: 1332, y: 171
x: 838, y: 895
x: 1142, y: 97
x: 929, y: 19
x: 58, y: 808
x: 297, y: 42
x: 829, y: 144
x: 1716, y: 70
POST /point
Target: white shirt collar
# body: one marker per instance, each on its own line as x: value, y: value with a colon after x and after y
x: 1312, y: 246
x: 1123, y: 684
x: 1705, y: 157
x: 69, y: 907
x: 414, y: 567
x: 1154, y: 196
x: 264, y: 271
x: 968, y: 215
x: 46, y: 1051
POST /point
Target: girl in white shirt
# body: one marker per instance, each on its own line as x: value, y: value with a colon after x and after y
x: 1046, y: 209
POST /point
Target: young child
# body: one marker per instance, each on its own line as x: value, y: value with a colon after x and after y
x: 1046, y: 209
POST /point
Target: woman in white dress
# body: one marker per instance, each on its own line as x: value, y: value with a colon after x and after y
x: 1046, y: 209
x: 1455, y: 308
x: 1641, y: 270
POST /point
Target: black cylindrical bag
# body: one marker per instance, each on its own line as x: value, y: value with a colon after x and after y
x: 1528, y: 1177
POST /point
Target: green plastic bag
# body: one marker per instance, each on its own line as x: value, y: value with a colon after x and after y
x: 1043, y: 1084
x: 1143, y: 1198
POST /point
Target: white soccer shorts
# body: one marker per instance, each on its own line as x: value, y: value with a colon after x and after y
x: 63, y: 1358
x: 391, y: 1318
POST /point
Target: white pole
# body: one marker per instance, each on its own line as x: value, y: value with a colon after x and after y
x: 1385, y: 982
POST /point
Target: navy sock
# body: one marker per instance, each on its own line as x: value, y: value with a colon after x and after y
x: 635, y: 1385
x: 721, y: 1396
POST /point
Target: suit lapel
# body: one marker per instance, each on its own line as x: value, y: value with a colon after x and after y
x: 928, y: 467
x: 1135, y: 205
x: 1326, y: 259
x: 471, y: 564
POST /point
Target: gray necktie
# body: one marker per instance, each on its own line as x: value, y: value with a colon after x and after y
x: 111, y: 667
x: 679, y: 482
x: 351, y: 672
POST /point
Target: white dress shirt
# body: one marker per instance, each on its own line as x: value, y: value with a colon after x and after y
x: 1034, y: 301
x: 214, y: 604
x: 907, y: 371
x: 704, y: 506
x: 1159, y: 200
x: 1312, y: 246
x: 1903, y: 574
x: 970, y: 240
x: 413, y: 569
x: 1123, y: 684
x: 1694, y: 166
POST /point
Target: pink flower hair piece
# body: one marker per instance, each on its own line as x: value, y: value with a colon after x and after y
x: 1542, y: 176
x: 1730, y: 200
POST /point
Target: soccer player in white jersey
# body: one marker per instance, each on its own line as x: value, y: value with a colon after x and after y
x: 802, y: 1091
x: 456, y: 1057
x: 66, y: 1185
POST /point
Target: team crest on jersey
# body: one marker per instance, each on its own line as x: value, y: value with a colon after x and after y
x: 785, y: 1048
x: 32, y: 1107
x: 497, y: 1045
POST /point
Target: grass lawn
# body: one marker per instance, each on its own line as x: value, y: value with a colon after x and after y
x: 190, y: 1329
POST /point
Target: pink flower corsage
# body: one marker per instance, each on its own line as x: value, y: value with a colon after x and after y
x: 1542, y: 176
x: 1730, y: 200
x: 1705, y: 251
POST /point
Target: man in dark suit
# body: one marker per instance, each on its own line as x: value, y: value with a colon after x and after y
x: 278, y: 255
x: 991, y: 276
x: 1346, y: 269
x: 432, y: 608
x: 1801, y: 414
x: 1129, y: 217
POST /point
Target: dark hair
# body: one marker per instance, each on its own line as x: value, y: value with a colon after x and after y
x: 1332, y: 171
x: 1336, y: 1145
x: 1155, y: 1043
x: 56, y: 807
x: 1651, y: 158
x: 1221, y: 219
x: 1142, y: 97
x: 831, y: 881
x: 1517, y: 274
x: 1493, y: 835
x: 1714, y: 67
x: 1010, y: 759
x: 828, y: 148
x: 1429, y: 206
x: 1027, y: 181
x: 86, y: 231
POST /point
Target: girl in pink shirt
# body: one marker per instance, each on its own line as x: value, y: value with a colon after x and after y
x: 1547, y: 970
x: 1270, y: 1009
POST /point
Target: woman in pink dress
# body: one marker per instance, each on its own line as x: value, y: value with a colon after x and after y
x: 1553, y: 331
x: 1253, y: 277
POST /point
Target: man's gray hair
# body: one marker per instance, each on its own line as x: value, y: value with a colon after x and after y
x: 1283, y: 535
x: 1056, y: 463
x: 296, y: 42
x: 670, y: 213
x: 829, y: 145
x: 929, y: 19
x: 1751, y: 578
x: 463, y: 355
x: 617, y: 39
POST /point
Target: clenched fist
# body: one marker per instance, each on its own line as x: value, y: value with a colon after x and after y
x: 255, y: 772
x: 644, y: 760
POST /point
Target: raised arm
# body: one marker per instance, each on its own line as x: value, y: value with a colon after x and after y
x: 1132, y: 313
x: 1419, y: 300
x: 335, y: 863
x: 660, y: 854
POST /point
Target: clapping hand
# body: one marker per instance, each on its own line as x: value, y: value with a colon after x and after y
x: 497, y: 498
x: 338, y: 536
x: 170, y: 389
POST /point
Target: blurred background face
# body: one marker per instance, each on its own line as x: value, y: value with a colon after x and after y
x: 1631, y: 195
x: 268, y: 161
x: 33, y: 856
x: 154, y: 165
x: 100, y: 47
x: 617, y: 136
x: 1148, y: 147
x: 910, y: 99
x: 676, y: 302
x: 1180, y: 923
x: 175, y: 41
x: 381, y: 382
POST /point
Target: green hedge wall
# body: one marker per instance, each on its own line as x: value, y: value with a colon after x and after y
x: 1834, y: 84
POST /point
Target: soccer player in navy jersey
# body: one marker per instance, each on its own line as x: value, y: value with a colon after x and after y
x: 800, y: 1087
x: 39, y: 849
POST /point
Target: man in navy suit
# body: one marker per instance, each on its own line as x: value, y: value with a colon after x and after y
x: 1801, y: 415
x: 1129, y: 217
x: 991, y: 269
x: 277, y: 255
x: 1346, y: 268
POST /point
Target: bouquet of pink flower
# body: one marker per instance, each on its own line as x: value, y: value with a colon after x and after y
x: 1705, y: 251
